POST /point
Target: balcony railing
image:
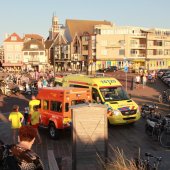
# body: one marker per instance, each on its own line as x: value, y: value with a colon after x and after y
x: 138, y: 55
x: 138, y: 45
x: 139, y: 34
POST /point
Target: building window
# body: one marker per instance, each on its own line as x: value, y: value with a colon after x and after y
x: 133, y: 52
x: 17, y: 56
x: 159, y: 52
x: 167, y: 43
x: 103, y: 52
x: 85, y: 47
x: 167, y: 52
x: 13, y: 38
x: 104, y: 43
x: 34, y: 46
x: 41, y: 53
x: 10, y: 47
x: 122, y: 52
x: 17, y: 47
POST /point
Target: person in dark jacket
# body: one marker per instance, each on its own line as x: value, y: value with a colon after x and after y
x: 26, y: 158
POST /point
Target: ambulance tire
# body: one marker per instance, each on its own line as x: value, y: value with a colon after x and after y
x: 109, y: 124
x: 53, y: 132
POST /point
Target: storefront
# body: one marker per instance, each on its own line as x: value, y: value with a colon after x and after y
x: 155, y: 64
x: 12, y: 67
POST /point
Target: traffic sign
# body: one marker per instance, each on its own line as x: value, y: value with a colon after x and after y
x: 126, y: 69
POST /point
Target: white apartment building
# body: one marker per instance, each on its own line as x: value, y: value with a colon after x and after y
x: 141, y: 47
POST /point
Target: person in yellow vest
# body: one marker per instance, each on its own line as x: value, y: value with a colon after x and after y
x: 16, y: 119
x: 33, y: 102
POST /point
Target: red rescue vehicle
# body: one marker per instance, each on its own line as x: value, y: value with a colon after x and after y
x: 54, y: 106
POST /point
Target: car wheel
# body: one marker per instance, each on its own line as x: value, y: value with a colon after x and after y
x: 53, y: 132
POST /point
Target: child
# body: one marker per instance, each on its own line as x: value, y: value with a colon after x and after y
x: 26, y: 114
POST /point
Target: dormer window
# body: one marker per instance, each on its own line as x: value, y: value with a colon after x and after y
x: 34, y: 46
x: 13, y: 38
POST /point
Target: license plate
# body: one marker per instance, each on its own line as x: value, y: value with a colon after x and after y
x: 130, y: 121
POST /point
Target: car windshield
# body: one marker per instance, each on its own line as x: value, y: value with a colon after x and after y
x: 114, y: 94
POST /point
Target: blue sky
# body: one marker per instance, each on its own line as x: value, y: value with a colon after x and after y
x: 34, y: 16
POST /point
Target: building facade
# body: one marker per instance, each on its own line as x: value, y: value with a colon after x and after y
x: 141, y: 47
x: 57, y: 48
x: 13, y: 58
x: 34, y: 57
x: 1, y: 55
x: 80, y: 37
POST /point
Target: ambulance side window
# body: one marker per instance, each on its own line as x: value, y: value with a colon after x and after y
x: 56, y: 106
x: 96, y: 96
x: 79, y: 86
x: 66, y: 107
x: 45, y: 104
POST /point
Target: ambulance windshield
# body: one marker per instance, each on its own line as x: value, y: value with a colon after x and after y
x: 114, y: 94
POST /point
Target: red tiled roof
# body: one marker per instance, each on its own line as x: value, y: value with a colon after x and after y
x: 9, y: 39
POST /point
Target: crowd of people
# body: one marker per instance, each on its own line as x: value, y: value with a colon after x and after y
x: 144, y: 77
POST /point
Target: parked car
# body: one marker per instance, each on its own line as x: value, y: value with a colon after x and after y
x: 163, y: 72
x: 109, y: 69
x: 165, y: 80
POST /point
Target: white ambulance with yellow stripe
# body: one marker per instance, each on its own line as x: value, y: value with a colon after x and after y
x: 109, y: 91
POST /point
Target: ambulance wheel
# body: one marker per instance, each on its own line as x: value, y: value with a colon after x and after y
x: 53, y: 132
x: 108, y: 123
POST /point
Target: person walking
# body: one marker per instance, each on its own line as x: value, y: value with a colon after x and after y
x: 35, y: 120
x: 33, y: 102
x: 26, y: 115
x: 137, y: 80
x: 16, y: 118
x: 144, y: 80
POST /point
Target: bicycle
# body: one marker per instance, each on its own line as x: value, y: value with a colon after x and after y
x: 165, y: 135
x: 147, y: 164
x: 164, y: 97
x: 159, y: 129
x: 150, y: 110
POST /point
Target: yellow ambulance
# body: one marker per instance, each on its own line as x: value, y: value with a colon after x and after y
x: 109, y: 91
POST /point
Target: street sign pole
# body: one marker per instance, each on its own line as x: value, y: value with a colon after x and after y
x: 126, y: 70
x: 126, y: 81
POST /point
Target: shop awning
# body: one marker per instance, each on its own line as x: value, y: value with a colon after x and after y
x: 12, y: 64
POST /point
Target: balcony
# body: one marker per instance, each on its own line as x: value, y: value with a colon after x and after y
x: 138, y: 46
x: 139, y: 35
x: 157, y: 56
x: 85, y: 52
x: 137, y: 56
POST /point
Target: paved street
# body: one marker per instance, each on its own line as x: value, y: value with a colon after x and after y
x: 129, y: 138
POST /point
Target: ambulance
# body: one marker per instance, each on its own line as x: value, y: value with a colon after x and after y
x: 55, y: 105
x: 108, y: 91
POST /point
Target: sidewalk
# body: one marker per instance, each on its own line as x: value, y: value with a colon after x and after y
x: 150, y: 94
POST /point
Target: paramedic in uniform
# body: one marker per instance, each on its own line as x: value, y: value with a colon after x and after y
x: 32, y: 103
